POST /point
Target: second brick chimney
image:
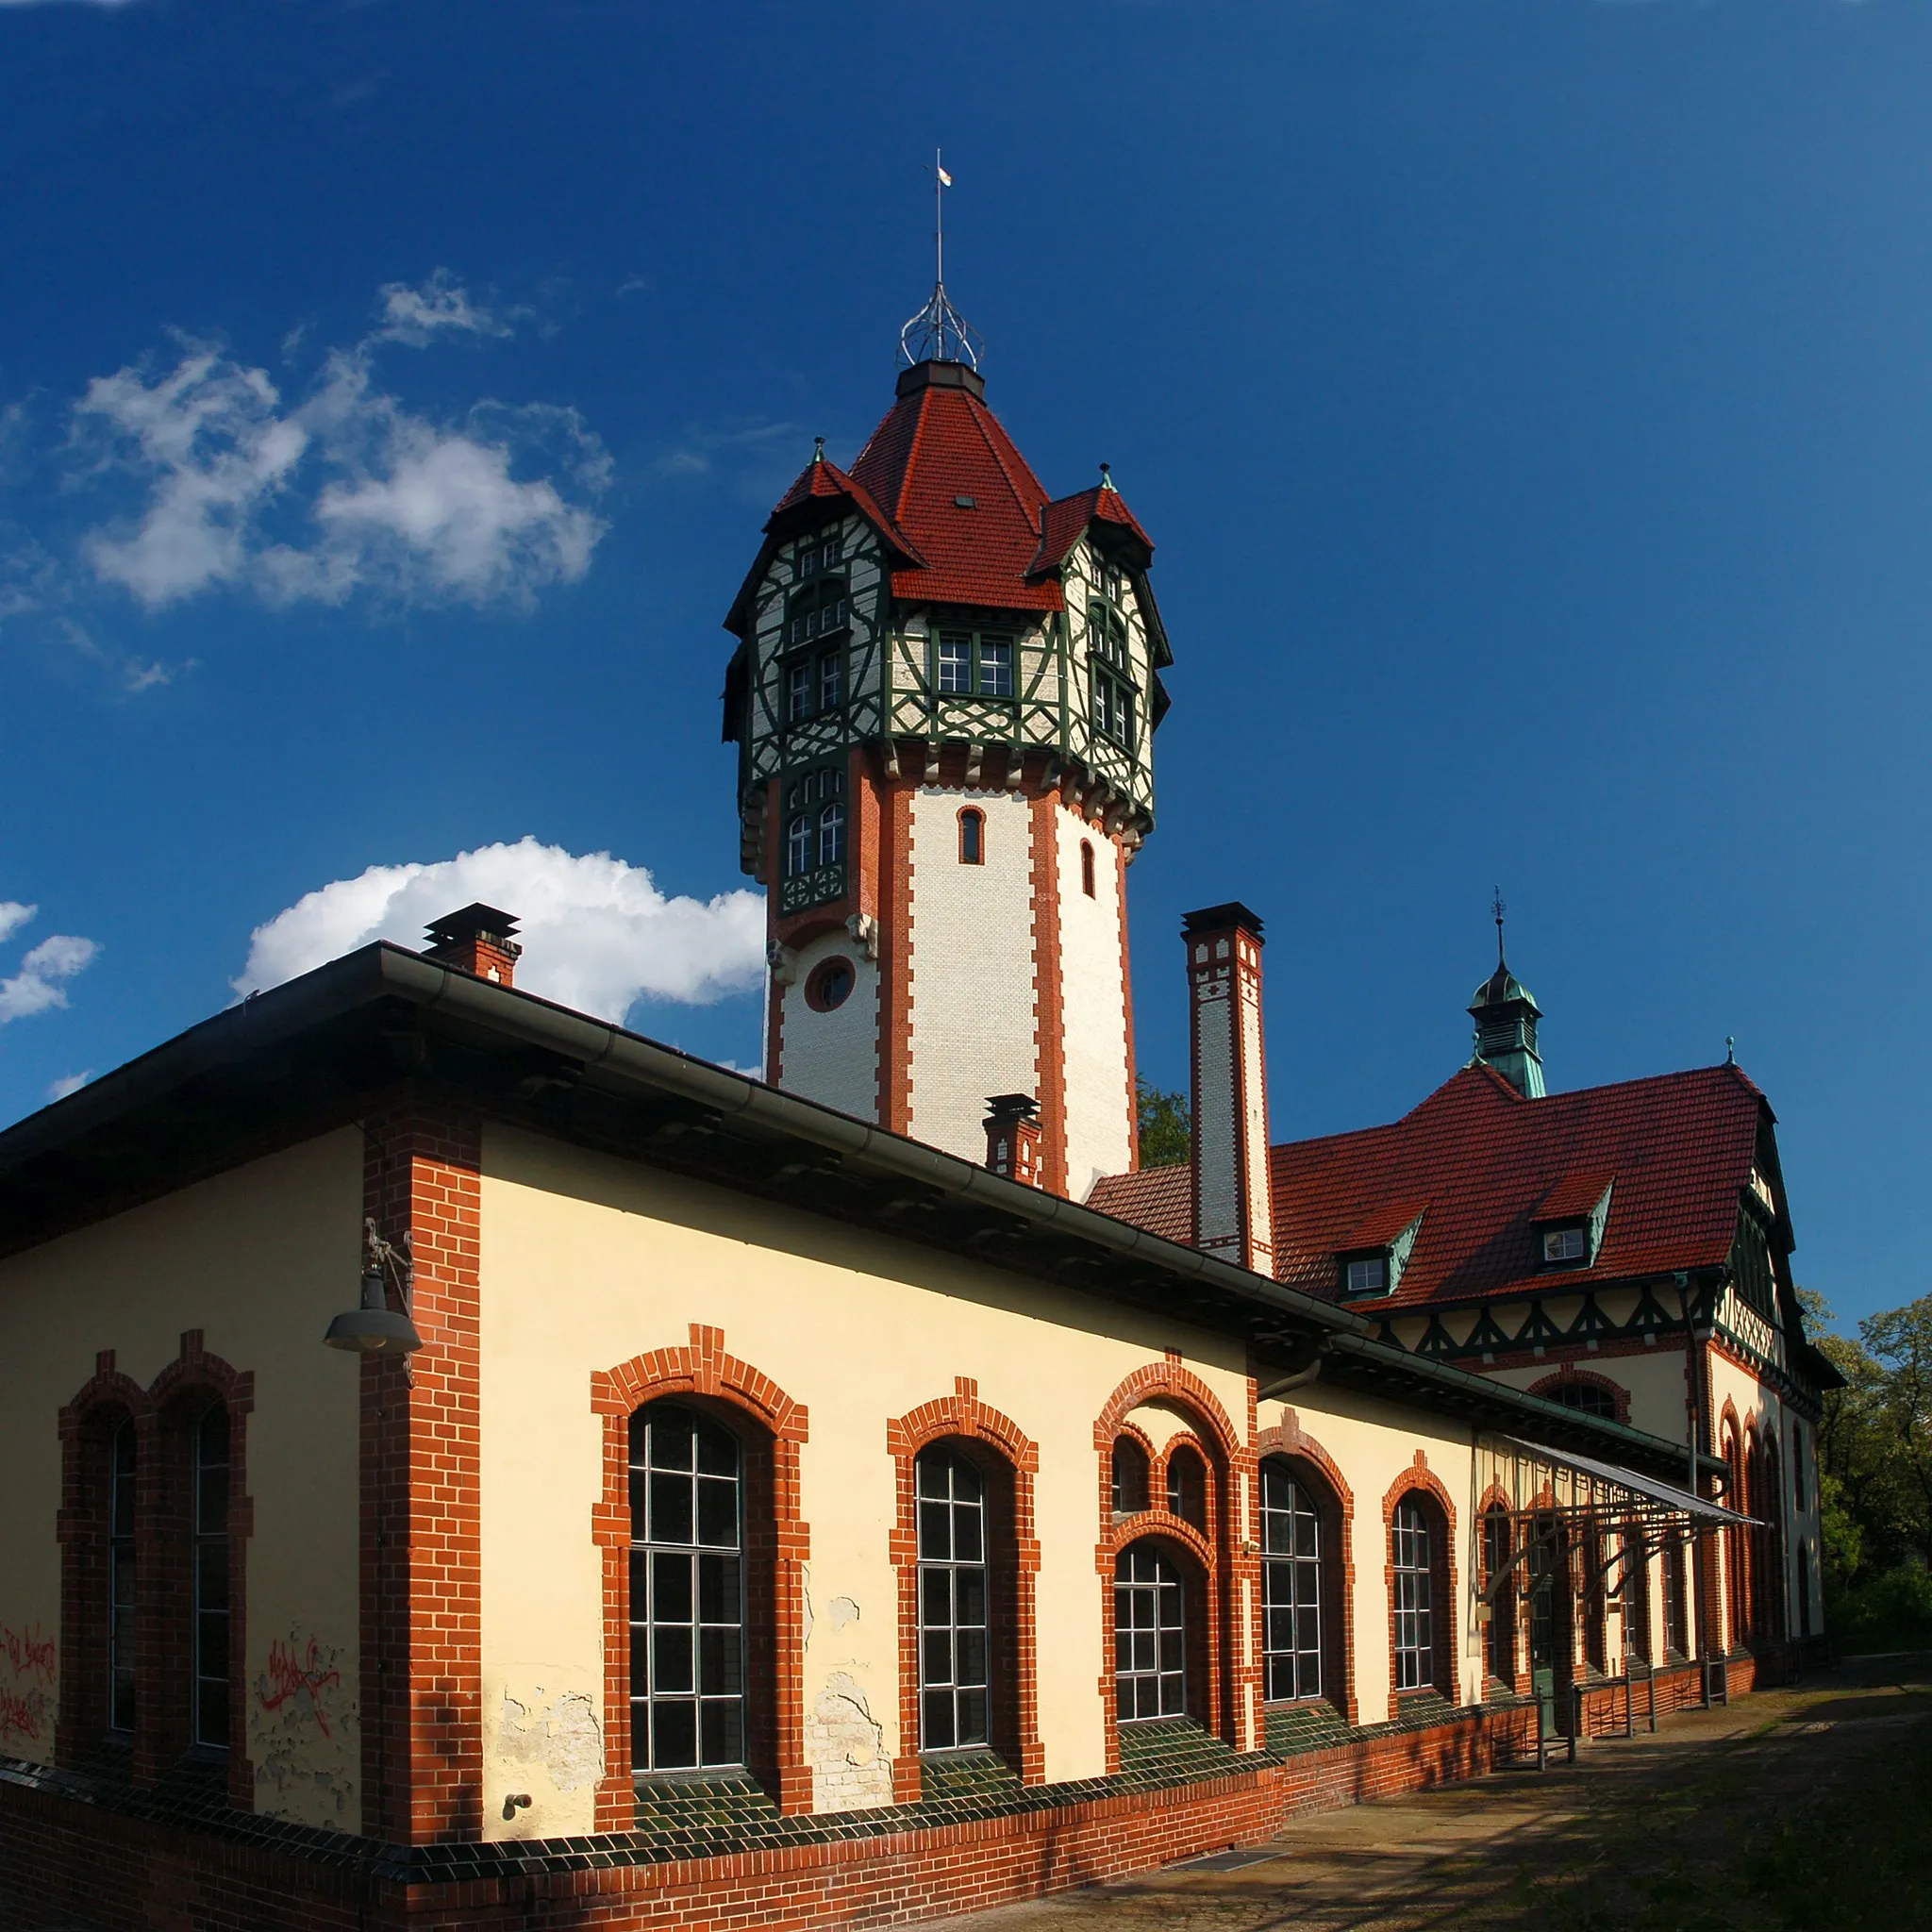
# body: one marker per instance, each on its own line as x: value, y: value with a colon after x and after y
x: 1012, y: 1138
x: 478, y: 940
x: 1233, y: 1215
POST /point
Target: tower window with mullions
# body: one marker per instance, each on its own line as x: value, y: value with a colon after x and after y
x: 687, y: 1591
x: 953, y: 1618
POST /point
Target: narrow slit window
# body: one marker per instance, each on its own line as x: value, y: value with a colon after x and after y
x: 953, y: 1675
x: 212, y: 1578
x: 687, y: 1591
x: 1087, y: 867
x: 971, y: 837
x: 120, y: 1579
x: 1415, y: 1610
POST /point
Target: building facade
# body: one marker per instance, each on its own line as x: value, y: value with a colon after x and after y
x: 851, y: 1496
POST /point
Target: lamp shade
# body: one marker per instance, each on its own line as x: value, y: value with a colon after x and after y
x: 374, y: 1331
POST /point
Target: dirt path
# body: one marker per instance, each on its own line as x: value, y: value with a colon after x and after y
x: 1637, y: 1824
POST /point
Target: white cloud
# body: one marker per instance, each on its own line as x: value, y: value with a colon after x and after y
x: 69, y: 1083
x: 38, y: 984
x: 344, y: 489
x: 597, y: 933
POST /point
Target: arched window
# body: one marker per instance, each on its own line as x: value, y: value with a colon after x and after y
x: 1676, y: 1599
x: 1187, y: 1486
x: 832, y: 834
x: 1129, y: 1475
x: 1589, y: 1398
x: 971, y: 836
x: 1500, y: 1584
x: 1291, y: 1585
x: 1087, y: 867
x: 1413, y: 1560
x: 798, y: 847
x: 210, y: 1578
x: 120, y: 1574
x: 818, y: 606
x: 1633, y: 1587
x: 1109, y: 669
x: 687, y: 1591
x: 1149, y: 1634
x: 954, y: 1603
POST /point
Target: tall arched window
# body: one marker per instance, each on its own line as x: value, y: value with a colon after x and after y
x: 210, y: 1578
x: 1499, y: 1583
x: 1290, y: 1586
x: 1413, y: 1561
x: 121, y: 1573
x: 686, y: 1590
x: 1129, y: 1475
x: 1676, y: 1598
x: 1087, y: 867
x: 954, y: 1603
x: 1150, y: 1633
x: 798, y: 847
x: 971, y: 836
x: 1634, y: 1588
x: 832, y: 834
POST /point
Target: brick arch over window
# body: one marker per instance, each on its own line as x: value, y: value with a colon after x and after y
x: 778, y: 1543
x: 1730, y: 1447
x: 1503, y: 1633
x: 1418, y: 1479
x: 178, y: 1397
x: 1569, y: 1375
x: 1001, y: 1448
x: 1287, y: 1440
x: 88, y: 1425
x: 1231, y: 1669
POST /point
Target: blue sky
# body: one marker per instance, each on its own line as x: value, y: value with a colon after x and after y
x: 1530, y: 399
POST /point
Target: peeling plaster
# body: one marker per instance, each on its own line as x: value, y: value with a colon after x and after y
x: 842, y: 1744
x: 303, y: 1734
x: 841, y: 1610
x: 561, y: 1738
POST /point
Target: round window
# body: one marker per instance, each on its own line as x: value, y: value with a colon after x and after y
x: 830, y: 985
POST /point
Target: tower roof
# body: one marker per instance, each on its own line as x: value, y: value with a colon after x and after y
x: 1500, y: 988
x: 942, y: 482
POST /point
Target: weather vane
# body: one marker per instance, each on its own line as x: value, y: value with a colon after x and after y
x: 1497, y: 908
x: 939, y: 333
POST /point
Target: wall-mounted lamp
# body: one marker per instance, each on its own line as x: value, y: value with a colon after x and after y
x: 375, y: 1329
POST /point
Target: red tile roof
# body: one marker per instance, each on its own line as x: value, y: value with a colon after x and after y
x: 1485, y: 1163
x: 938, y: 443
x: 1065, y: 521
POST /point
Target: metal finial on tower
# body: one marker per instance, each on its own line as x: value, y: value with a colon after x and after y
x: 1107, y: 476
x: 1731, y: 1049
x: 1497, y: 909
x: 818, y: 453
x: 939, y: 333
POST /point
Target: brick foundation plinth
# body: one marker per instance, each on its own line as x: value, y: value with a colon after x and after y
x: 122, y: 1863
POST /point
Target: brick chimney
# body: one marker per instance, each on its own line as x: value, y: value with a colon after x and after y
x: 476, y: 939
x: 1013, y: 1138
x: 1233, y: 1215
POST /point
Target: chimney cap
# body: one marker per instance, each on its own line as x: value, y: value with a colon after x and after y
x: 1006, y: 1107
x: 1219, y: 918
x: 475, y: 922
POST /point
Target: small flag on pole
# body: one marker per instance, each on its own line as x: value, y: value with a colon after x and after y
x: 945, y: 180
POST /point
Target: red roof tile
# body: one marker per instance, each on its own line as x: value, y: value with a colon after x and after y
x: 939, y: 443
x: 1680, y: 1149
x: 1066, y: 519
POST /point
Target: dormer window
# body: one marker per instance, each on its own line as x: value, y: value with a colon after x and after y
x: 1564, y: 1245
x: 821, y: 553
x: 816, y: 608
x: 1367, y: 1275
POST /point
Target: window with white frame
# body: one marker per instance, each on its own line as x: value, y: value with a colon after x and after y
x: 973, y: 664
x: 687, y: 1591
x: 954, y: 1610
x: 1415, y: 1608
x: 1290, y: 1586
x: 1149, y: 1634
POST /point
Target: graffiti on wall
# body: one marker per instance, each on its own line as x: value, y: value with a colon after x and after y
x: 301, y: 1733
x: 26, y: 1701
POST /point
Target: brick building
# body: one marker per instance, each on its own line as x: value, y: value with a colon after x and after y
x: 849, y: 1497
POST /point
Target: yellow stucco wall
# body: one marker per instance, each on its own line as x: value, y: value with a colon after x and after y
x: 259, y: 1258
x: 588, y: 1262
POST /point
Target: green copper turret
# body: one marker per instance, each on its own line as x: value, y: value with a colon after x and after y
x: 1506, y: 1017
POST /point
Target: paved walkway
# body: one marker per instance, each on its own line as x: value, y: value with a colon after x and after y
x: 1496, y: 1848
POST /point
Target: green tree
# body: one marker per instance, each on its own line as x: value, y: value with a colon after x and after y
x: 1166, y: 1128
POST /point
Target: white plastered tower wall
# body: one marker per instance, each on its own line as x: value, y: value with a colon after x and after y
x: 830, y: 1054
x: 1095, y: 1001
x: 970, y: 938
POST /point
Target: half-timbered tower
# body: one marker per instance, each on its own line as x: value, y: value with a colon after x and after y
x: 944, y: 697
